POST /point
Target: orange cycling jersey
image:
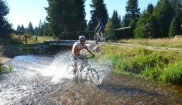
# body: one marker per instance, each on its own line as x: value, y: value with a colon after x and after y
x: 77, y: 47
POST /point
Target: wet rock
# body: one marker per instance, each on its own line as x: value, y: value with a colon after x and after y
x: 98, y: 48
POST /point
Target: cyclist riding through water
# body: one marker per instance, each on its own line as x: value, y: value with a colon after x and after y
x: 101, y: 25
x: 75, y: 53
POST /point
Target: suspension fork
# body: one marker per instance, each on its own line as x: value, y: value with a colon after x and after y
x: 84, y: 63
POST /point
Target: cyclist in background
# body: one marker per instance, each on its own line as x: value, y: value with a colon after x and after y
x: 75, y: 53
x: 101, y: 25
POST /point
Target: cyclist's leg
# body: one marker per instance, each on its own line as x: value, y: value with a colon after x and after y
x: 99, y: 35
x: 73, y: 59
x: 83, y: 58
x: 103, y: 31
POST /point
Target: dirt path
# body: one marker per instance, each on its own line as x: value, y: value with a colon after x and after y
x: 159, y: 48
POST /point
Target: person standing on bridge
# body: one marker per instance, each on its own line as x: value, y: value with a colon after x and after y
x: 75, y: 53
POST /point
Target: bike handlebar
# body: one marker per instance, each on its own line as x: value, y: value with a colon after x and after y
x: 90, y: 57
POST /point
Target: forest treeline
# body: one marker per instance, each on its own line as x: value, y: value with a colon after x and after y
x: 66, y: 19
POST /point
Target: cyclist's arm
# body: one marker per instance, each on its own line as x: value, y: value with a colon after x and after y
x: 88, y: 50
x: 97, y: 26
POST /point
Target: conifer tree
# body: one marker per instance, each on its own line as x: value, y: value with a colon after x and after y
x: 132, y: 10
x: 163, y: 14
x: 30, y: 28
x: 22, y: 28
x: 99, y: 10
x: 132, y: 15
x: 115, y: 19
x: 175, y: 26
x: 145, y: 27
x: 150, y: 8
x: 65, y: 16
x: 18, y: 28
x: 5, y: 26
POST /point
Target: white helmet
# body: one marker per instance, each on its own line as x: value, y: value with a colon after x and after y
x: 82, y: 38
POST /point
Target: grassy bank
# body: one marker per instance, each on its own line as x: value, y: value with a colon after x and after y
x: 5, y: 70
x: 165, y: 42
x: 158, y: 65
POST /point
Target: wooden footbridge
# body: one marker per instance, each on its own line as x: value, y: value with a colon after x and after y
x: 67, y: 43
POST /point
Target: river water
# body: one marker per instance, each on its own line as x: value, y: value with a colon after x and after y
x: 43, y: 80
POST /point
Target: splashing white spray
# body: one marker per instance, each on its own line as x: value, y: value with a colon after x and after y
x: 57, y: 70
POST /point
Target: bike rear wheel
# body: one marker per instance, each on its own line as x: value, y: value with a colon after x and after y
x: 93, y: 76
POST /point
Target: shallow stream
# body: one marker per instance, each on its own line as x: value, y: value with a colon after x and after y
x: 43, y: 80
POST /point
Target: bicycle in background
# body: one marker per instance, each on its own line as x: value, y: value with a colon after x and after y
x: 103, y: 37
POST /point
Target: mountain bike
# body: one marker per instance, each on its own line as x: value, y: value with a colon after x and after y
x: 86, y: 71
x: 103, y: 37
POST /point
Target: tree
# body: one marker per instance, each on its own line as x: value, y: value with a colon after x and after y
x: 150, y: 8
x: 45, y: 28
x: 40, y: 29
x: 163, y: 14
x: 178, y: 16
x: 132, y: 15
x: 5, y: 26
x: 115, y: 19
x: 110, y: 30
x: 18, y: 28
x: 145, y: 26
x: 36, y: 29
x: 132, y: 10
x: 99, y: 10
x: 79, y: 5
x: 173, y: 27
x: 22, y: 28
x: 30, y: 28
x: 65, y: 16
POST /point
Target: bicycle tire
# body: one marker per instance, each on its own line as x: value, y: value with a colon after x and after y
x: 70, y: 69
x: 93, y: 76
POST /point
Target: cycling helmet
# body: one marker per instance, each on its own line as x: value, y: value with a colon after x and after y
x: 82, y: 38
x: 98, y: 19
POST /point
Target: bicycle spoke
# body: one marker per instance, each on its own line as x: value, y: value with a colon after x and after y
x: 93, y: 75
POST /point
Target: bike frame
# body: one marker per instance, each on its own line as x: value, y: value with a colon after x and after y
x: 90, y: 72
x: 85, y: 64
x: 102, y: 37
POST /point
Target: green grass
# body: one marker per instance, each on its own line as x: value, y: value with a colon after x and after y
x: 157, y: 65
x: 172, y: 73
x: 165, y: 42
x: 14, y: 40
x: 3, y: 70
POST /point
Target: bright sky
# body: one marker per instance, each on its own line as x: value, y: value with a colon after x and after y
x: 26, y: 11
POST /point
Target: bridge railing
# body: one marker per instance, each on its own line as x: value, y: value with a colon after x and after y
x: 65, y: 42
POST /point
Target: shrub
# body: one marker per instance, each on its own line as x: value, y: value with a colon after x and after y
x: 172, y: 73
x: 160, y: 65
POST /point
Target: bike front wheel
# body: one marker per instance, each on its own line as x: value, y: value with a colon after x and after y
x: 70, y: 69
x: 93, y: 76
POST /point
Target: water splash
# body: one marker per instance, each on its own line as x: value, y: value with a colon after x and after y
x: 57, y: 69
x: 29, y: 75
